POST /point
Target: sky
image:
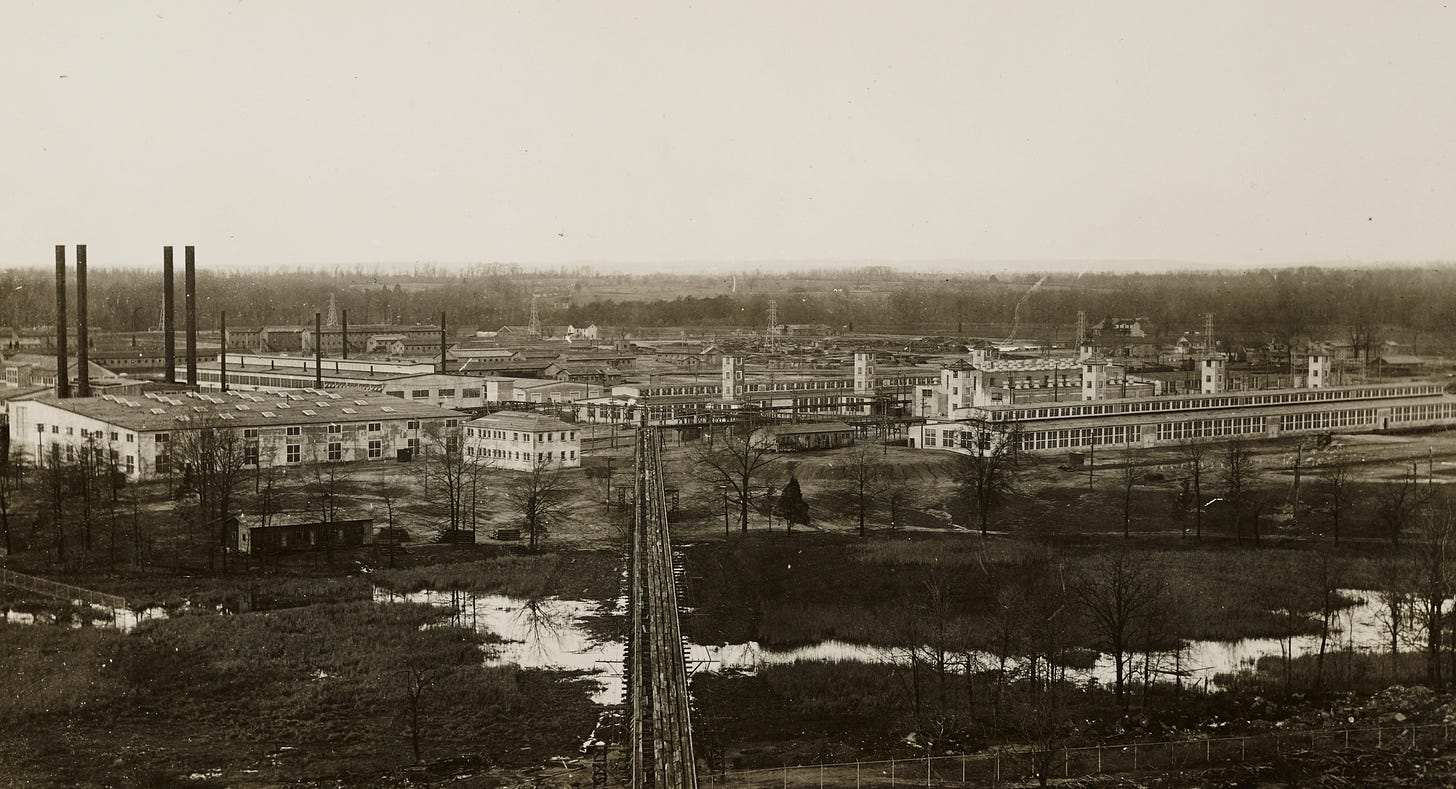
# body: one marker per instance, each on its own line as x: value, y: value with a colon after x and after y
x: 286, y: 133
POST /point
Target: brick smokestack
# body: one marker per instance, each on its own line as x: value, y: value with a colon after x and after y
x: 222, y: 358
x: 63, y: 377
x: 318, y: 350
x: 344, y: 330
x: 442, y: 343
x: 83, y: 338
x: 169, y: 317
x: 189, y: 284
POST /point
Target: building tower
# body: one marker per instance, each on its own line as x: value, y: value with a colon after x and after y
x: 535, y: 327
x: 1094, y: 379
x: 732, y: 378
x: 1085, y: 349
x: 1213, y: 374
x: 333, y: 319
x: 1318, y: 376
x: 864, y: 373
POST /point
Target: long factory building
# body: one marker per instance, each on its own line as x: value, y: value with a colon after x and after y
x: 1149, y: 421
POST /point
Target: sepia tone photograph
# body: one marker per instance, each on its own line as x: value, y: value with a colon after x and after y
x: 727, y: 395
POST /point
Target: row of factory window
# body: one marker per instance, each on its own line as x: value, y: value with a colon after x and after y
x: 71, y: 454
x: 468, y: 393
x: 504, y: 454
x: 1210, y: 428
x: 1422, y: 413
x: 480, y: 432
x: 1100, y: 436
x: 1322, y: 420
x: 1273, y: 398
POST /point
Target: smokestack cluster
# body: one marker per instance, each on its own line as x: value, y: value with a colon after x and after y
x: 318, y: 351
x: 83, y: 339
x: 442, y: 343
x: 63, y: 378
x: 189, y: 274
x: 169, y: 318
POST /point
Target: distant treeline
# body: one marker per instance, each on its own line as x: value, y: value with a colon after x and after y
x: 1278, y: 303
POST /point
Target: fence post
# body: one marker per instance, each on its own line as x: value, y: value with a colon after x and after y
x: 1066, y: 763
x: 963, y: 768
x: 856, y: 775
x: 1134, y: 756
x: 1208, y: 751
x: 892, y: 771
x: 1099, y: 758
x: 996, y: 776
x: 1242, y: 742
x: 786, y: 776
x: 927, y: 771
x: 821, y: 775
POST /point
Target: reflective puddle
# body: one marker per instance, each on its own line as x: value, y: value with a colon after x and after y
x: 552, y: 633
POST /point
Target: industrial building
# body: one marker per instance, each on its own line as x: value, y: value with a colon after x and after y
x: 278, y: 428
x: 521, y: 441
x: 1149, y: 421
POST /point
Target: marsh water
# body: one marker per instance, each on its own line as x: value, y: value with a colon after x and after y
x: 575, y: 635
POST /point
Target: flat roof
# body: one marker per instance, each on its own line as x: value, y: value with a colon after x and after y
x: 520, y: 420
x: 143, y: 413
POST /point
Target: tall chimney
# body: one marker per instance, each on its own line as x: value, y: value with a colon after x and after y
x: 83, y: 352
x: 189, y: 274
x: 318, y: 351
x: 345, y: 331
x: 442, y: 342
x: 169, y: 318
x: 63, y: 363
x: 222, y: 358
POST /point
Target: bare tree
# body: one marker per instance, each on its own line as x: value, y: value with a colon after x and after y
x: 1434, y: 560
x: 12, y: 464
x: 735, y: 461
x: 213, y: 456
x: 988, y: 469
x: 451, y: 479
x: 1120, y: 593
x: 1194, y: 452
x: 1132, y: 475
x: 860, y: 474
x: 1239, y: 473
x: 1335, y: 488
x: 1398, y: 503
x: 540, y: 497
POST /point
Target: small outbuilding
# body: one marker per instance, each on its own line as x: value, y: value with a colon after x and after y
x: 296, y: 532
x: 803, y: 437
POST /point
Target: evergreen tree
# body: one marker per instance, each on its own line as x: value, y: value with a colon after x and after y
x: 791, y: 505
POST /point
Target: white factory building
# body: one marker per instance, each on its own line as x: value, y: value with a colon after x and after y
x: 278, y: 428
x: 518, y: 440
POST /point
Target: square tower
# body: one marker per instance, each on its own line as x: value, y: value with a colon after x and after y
x: 864, y: 373
x: 1212, y: 375
x: 732, y: 378
x: 1319, y: 371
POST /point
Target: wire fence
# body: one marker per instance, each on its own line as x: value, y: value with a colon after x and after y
x: 1023, y: 766
x: 49, y: 588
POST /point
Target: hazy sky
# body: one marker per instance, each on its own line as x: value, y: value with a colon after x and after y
x: 298, y: 132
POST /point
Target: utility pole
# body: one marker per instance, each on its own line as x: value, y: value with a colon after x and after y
x: 1298, y: 458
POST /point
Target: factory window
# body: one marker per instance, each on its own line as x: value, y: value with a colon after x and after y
x: 131, y: 438
x: 470, y: 394
x: 413, y: 424
x: 376, y: 449
x: 336, y: 450
x: 374, y: 427
x: 250, y: 455
x: 447, y: 392
x: 70, y: 431
x: 163, y: 463
x: 131, y: 464
x: 414, y: 446
x: 336, y: 429
x: 419, y: 394
x: 114, y: 437
x: 395, y: 393
x: 293, y: 453
x: 250, y: 432
x: 295, y: 430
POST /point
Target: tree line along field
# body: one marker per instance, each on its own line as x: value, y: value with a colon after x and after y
x: 297, y: 645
